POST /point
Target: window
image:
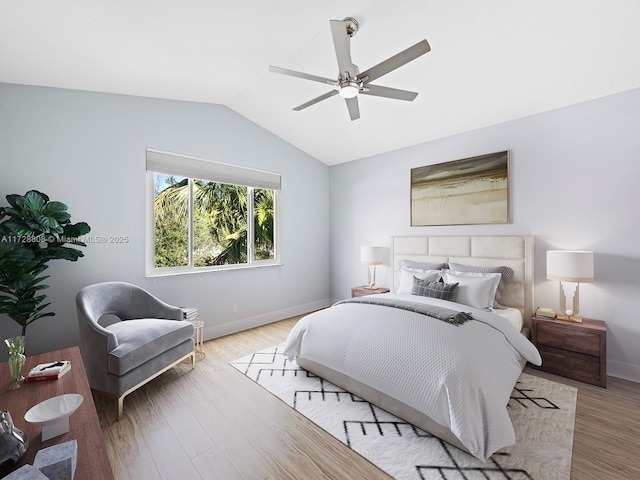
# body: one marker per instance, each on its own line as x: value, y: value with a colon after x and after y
x: 204, y: 215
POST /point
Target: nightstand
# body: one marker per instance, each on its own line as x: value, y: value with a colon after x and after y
x: 362, y: 291
x: 572, y: 350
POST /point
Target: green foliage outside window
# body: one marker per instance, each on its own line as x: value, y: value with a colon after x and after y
x: 263, y: 217
x: 171, y: 207
x: 219, y: 224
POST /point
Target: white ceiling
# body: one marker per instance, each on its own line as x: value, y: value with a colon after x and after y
x: 491, y: 61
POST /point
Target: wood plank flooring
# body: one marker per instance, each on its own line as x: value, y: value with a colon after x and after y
x: 214, y: 423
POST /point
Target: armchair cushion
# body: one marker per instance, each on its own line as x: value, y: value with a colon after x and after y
x: 143, y: 339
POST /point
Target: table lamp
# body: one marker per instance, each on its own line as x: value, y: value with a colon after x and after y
x: 371, y: 256
x: 570, y: 266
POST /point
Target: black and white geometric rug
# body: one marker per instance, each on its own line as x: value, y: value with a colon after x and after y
x: 542, y: 412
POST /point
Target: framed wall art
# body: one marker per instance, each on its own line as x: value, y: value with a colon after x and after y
x: 469, y: 191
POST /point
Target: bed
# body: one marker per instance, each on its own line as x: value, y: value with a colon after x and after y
x: 451, y: 376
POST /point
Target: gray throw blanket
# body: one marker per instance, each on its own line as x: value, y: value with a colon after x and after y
x: 446, y: 315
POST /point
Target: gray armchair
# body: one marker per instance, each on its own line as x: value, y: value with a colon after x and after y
x: 151, y: 337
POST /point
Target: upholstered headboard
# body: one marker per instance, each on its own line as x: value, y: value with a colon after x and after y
x: 515, y: 251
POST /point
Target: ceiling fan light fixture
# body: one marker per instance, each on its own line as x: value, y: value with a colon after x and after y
x: 349, y: 89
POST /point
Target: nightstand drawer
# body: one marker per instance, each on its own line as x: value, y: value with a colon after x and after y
x: 359, y: 293
x: 578, y: 366
x: 568, y: 339
x: 364, y: 291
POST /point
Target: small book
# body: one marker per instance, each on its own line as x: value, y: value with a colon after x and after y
x: 545, y: 312
x: 189, y: 312
x: 48, y: 371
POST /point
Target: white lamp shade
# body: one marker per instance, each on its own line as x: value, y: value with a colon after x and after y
x: 371, y: 255
x: 570, y: 266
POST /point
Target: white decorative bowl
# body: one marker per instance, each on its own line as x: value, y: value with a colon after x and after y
x: 53, y: 414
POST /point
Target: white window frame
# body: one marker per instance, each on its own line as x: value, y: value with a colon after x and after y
x: 158, y: 161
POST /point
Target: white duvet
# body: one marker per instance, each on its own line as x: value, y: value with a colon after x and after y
x: 459, y: 376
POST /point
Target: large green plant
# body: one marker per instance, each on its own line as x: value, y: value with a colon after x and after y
x: 33, y: 231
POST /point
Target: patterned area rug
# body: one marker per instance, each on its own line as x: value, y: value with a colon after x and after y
x: 542, y: 412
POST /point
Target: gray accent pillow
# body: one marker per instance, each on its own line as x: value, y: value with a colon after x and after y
x: 443, y: 291
x: 407, y: 275
x: 421, y: 265
x: 505, y: 272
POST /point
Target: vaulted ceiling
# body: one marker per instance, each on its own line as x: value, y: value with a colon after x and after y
x: 491, y: 61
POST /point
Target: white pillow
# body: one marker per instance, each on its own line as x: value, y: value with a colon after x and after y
x: 474, y: 289
x: 407, y: 274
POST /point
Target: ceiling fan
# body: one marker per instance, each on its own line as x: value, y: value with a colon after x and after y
x: 350, y: 82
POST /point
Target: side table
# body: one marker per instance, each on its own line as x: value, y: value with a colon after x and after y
x: 198, y: 325
x: 573, y: 350
x: 192, y: 315
x: 362, y: 291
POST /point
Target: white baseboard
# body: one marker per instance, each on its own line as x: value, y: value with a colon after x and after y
x: 215, y: 331
x: 626, y: 371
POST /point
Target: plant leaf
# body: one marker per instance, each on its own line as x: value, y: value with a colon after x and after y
x: 76, y: 230
x: 65, y: 253
x: 54, y: 209
x: 49, y: 224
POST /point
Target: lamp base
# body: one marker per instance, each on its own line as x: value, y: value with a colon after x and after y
x: 371, y: 280
x: 567, y: 318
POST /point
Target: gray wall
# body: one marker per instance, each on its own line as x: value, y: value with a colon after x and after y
x: 88, y: 151
x: 574, y: 176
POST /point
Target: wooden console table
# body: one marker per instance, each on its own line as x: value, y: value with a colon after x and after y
x: 84, y: 426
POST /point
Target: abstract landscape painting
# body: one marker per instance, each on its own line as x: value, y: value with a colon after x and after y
x: 463, y: 192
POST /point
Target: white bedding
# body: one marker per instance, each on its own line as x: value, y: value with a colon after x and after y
x: 461, y: 377
x: 513, y: 315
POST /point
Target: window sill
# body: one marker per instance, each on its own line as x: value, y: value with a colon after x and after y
x: 222, y: 268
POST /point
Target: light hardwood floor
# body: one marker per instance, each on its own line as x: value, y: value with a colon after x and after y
x: 214, y: 423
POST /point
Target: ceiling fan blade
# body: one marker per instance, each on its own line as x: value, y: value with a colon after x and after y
x: 354, y: 109
x: 394, y: 62
x: 306, y: 76
x: 342, y: 45
x: 379, y: 91
x: 324, y: 96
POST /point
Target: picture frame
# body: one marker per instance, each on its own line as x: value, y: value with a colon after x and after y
x: 469, y: 191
